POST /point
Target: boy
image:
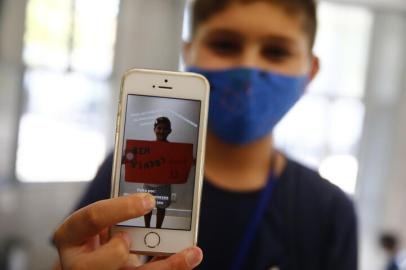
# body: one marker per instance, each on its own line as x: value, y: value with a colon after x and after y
x: 162, y: 129
x: 260, y: 210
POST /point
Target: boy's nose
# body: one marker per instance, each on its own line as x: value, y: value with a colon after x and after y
x: 249, y: 57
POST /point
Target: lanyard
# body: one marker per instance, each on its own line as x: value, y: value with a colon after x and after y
x: 249, y: 234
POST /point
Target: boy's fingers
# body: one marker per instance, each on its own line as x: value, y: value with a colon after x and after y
x: 112, y: 255
x: 104, y: 236
x: 185, y: 260
x: 158, y: 258
x: 93, y: 218
x: 132, y: 263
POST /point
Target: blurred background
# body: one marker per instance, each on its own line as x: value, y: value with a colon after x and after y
x: 60, y: 66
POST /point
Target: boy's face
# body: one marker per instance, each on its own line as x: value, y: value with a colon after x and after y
x: 258, y: 35
x: 162, y: 132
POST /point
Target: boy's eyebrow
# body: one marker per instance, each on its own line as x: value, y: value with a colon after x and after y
x: 225, y: 33
x: 273, y: 39
x: 280, y: 40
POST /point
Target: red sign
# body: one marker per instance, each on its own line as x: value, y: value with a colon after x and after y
x: 156, y: 162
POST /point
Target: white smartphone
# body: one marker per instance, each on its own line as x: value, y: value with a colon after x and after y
x: 159, y: 148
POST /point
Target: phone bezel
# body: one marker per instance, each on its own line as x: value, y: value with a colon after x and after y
x: 184, y: 85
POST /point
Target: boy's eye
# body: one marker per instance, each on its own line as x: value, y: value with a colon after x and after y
x: 275, y: 53
x: 224, y: 46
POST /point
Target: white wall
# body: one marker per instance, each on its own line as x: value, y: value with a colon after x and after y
x: 11, y: 37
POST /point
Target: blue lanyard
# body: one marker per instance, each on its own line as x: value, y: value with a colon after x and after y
x: 249, y: 235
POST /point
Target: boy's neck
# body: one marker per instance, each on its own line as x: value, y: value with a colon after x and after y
x: 241, y: 168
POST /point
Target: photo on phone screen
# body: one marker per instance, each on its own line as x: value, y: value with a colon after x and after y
x: 159, y: 157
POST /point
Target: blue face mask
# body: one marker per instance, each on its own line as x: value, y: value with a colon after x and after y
x: 246, y: 103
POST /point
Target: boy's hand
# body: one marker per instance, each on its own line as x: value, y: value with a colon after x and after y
x: 83, y: 241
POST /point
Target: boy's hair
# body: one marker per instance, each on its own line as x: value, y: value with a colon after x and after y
x: 203, y: 10
x: 162, y: 120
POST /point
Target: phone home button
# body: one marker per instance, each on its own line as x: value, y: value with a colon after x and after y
x: 152, y: 239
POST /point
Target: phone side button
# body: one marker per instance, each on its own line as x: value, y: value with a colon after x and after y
x: 152, y: 239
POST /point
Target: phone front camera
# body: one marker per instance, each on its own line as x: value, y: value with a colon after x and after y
x: 166, y: 80
x: 153, y: 86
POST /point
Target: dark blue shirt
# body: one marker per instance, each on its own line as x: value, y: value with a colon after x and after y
x: 310, y: 224
x: 392, y: 265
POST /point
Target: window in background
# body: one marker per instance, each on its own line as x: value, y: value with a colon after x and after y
x: 324, y: 129
x: 68, y: 53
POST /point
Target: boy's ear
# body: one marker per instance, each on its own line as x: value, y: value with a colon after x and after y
x: 186, y: 47
x: 315, y: 66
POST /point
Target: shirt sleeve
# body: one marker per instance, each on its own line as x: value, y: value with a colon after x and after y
x: 342, y: 238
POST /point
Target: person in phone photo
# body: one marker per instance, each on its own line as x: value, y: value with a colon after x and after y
x: 260, y: 209
x: 162, y: 192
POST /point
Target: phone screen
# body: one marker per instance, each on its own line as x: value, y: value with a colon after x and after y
x: 159, y: 156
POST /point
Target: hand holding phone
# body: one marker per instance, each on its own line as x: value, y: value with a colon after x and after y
x: 83, y: 239
x: 160, y: 142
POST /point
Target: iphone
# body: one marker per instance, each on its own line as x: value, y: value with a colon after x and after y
x: 159, y: 148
